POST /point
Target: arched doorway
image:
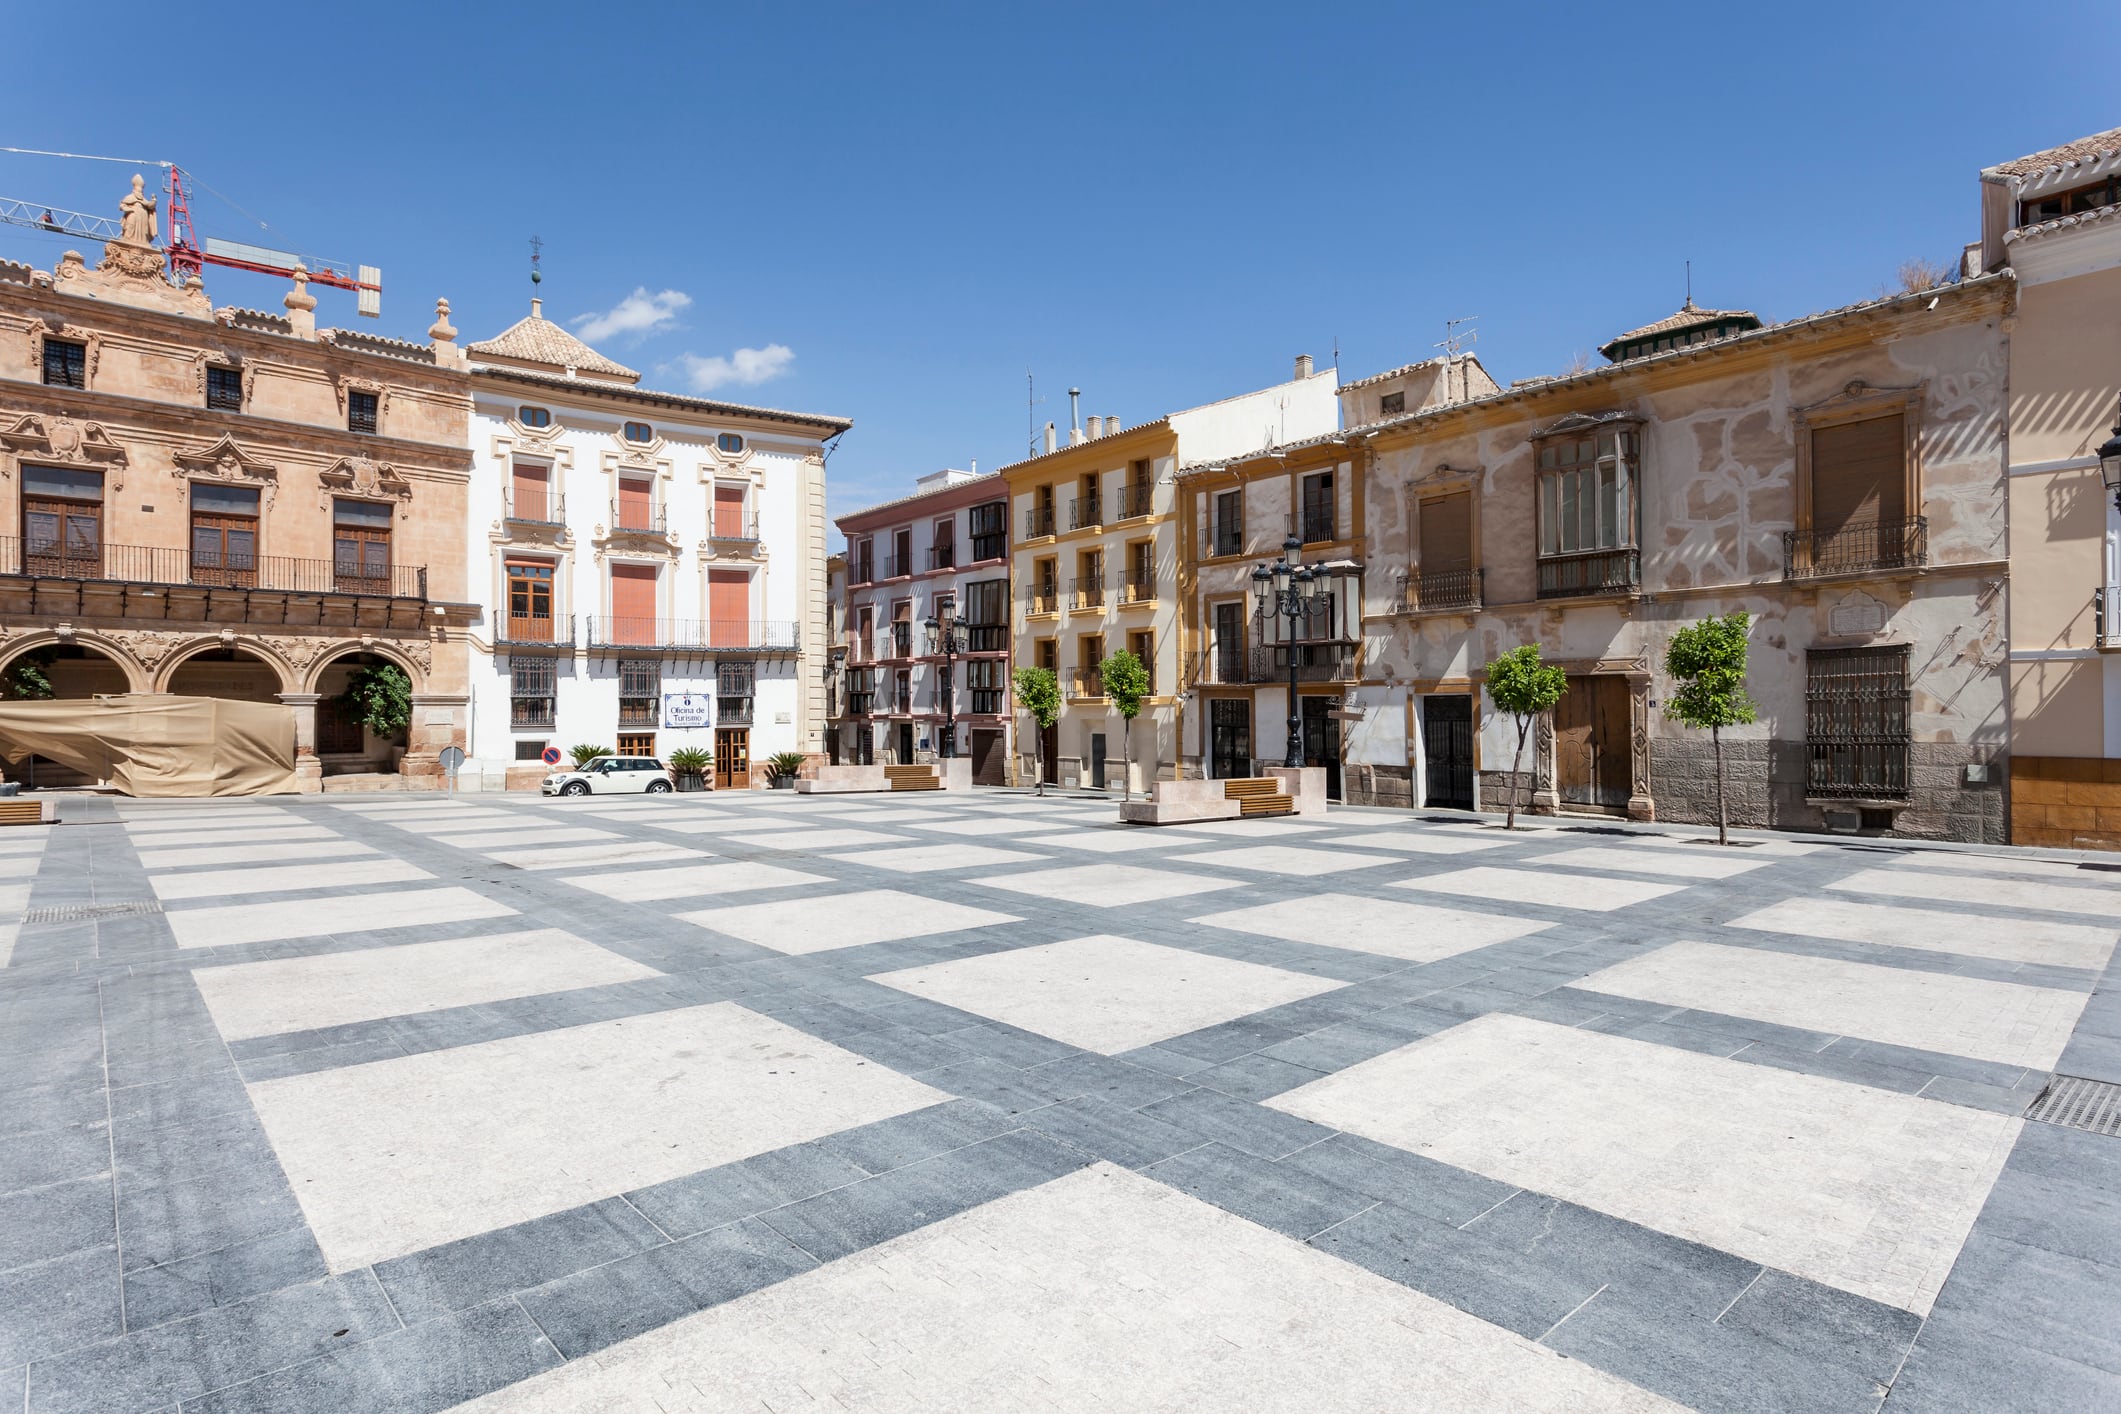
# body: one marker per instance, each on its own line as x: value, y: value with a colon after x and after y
x: 226, y: 672
x: 344, y: 746
x: 59, y: 671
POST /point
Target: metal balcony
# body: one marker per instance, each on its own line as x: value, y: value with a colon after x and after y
x: 1038, y: 521
x: 1086, y: 511
x: 638, y: 519
x: 1131, y: 501
x: 518, y: 631
x: 525, y: 507
x: 733, y: 529
x: 1441, y: 591
x: 1087, y: 591
x: 1856, y: 549
x: 943, y: 556
x: 153, y: 564
x: 1588, y: 573
x: 692, y: 635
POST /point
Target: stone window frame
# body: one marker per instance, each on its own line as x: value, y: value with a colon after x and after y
x: 1858, y: 401
x: 1445, y: 481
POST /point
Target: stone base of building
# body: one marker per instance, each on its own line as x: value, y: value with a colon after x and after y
x: 2067, y: 802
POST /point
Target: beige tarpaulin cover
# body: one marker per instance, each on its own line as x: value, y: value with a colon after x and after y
x: 149, y: 743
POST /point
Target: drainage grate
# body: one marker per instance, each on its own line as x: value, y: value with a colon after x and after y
x: 2079, y: 1103
x: 76, y: 912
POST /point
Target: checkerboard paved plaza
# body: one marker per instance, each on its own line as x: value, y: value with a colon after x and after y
x: 768, y: 1102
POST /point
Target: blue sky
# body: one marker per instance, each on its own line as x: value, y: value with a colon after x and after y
x: 894, y: 212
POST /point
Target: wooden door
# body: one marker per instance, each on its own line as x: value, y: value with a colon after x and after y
x: 989, y: 763
x: 633, y: 604
x: 1049, y: 755
x: 1447, y: 751
x: 732, y: 758
x: 530, y: 603
x: 1591, y: 749
x: 728, y: 608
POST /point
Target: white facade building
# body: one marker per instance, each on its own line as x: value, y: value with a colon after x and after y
x: 650, y: 566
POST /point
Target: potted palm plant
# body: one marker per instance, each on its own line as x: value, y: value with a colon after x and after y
x: 690, y: 764
x: 781, y: 769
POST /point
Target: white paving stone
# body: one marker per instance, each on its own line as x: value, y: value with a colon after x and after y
x: 934, y: 858
x: 1106, y: 993
x: 736, y: 828
x: 21, y: 866
x: 1105, y: 885
x: 2096, y: 900
x: 991, y: 827
x: 582, y: 856
x: 524, y: 836
x: 445, y: 822
x: 401, y: 1154
x: 1284, y: 859
x: 1677, y: 863
x: 1263, y: 830
x: 1933, y: 1011
x: 208, y: 883
x: 727, y: 876
x: 304, y: 993
x: 1965, y: 933
x: 9, y: 931
x: 14, y: 899
x: 24, y: 839
x: 811, y: 840
x: 254, y: 852
x: 1418, y: 932
x: 1552, y: 888
x: 1421, y: 841
x: 150, y: 837
x: 827, y: 921
x: 230, y: 924
x: 1102, y: 1290
x: 1966, y: 862
x: 1862, y: 1189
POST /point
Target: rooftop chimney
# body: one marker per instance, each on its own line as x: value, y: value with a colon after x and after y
x: 1049, y: 436
x: 1075, y: 416
x: 537, y: 307
x: 1303, y: 366
x: 1097, y: 427
x: 1111, y: 426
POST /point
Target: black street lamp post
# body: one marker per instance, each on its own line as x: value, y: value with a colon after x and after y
x: 1283, y: 589
x: 2110, y: 461
x: 947, y: 636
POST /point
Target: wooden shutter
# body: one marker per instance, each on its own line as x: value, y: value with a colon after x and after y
x: 633, y: 604
x: 1447, y: 534
x: 636, y: 503
x: 531, y: 486
x: 1859, y: 473
x: 728, y: 608
x: 729, y: 511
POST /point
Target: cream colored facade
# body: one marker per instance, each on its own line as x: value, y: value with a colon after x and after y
x: 230, y: 503
x: 1096, y: 569
x: 2065, y: 362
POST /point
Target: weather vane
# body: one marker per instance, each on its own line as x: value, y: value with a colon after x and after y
x: 537, y: 251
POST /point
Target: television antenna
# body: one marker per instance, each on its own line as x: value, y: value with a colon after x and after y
x: 1031, y: 404
x: 1455, y: 338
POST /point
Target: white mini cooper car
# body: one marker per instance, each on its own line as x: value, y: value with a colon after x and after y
x: 611, y: 775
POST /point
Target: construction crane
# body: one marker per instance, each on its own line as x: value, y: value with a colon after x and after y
x: 185, y: 250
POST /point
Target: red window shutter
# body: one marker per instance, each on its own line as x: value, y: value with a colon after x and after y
x: 636, y: 503
x: 729, y: 511
x: 633, y: 604
x: 531, y: 485
x: 728, y: 608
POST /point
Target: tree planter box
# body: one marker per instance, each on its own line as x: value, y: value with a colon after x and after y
x: 692, y: 782
x: 781, y: 783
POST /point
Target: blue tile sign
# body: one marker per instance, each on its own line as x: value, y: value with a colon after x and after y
x: 684, y: 709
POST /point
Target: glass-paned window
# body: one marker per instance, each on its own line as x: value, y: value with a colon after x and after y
x: 1229, y: 522
x: 65, y: 364
x: 990, y: 530
x: 639, y: 432
x: 362, y: 411
x: 640, y: 691
x: 530, y: 689
x: 62, y: 522
x: 1586, y: 492
x: 530, y: 602
x: 534, y: 416
x: 1856, y: 726
x: 360, y: 546
x: 729, y: 442
x: 224, y: 534
x: 224, y: 389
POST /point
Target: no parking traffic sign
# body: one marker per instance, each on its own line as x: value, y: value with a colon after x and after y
x: 551, y: 756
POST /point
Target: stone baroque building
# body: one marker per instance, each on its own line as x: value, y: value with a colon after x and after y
x: 1839, y: 477
x: 230, y: 503
x: 943, y: 554
x: 650, y: 567
x: 1096, y: 566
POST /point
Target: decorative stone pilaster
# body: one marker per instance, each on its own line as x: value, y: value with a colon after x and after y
x: 437, y: 722
x: 309, y: 771
x: 1546, y: 797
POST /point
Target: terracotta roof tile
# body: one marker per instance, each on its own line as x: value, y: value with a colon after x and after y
x: 2069, y: 154
x: 536, y: 339
x: 1690, y: 315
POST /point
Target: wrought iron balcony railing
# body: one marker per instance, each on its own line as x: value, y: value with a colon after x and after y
x: 1315, y: 662
x: 1856, y: 549
x: 1439, y: 591
x: 1318, y: 527
x: 1590, y: 572
x: 734, y: 528
x: 1045, y: 599
x: 1131, y: 501
x: 1086, y: 511
x: 524, y: 631
x: 1038, y: 521
x: 526, y: 507
x: 1087, y: 591
x: 1087, y: 682
x: 693, y: 635
x: 1137, y: 590
x: 943, y: 556
x: 161, y: 565
x: 637, y: 519
x: 531, y: 713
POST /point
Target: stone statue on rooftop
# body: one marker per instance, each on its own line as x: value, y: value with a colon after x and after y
x: 136, y: 215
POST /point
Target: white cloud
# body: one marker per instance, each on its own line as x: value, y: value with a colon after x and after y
x: 745, y: 367
x: 637, y: 314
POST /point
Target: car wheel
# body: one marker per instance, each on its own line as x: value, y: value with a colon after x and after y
x: 659, y: 787
x: 575, y: 788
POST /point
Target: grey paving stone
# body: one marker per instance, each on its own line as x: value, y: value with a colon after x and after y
x: 1254, y: 1077
x: 179, y: 1100
x: 231, y: 1145
x: 603, y: 1305
x: 905, y: 1050
x: 431, y: 1366
x: 43, y: 1156
x: 1264, y: 1133
x: 1009, y: 1045
x: 29, y: 1108
x: 1229, y: 1040
x: 1807, y: 1318
x: 1112, y: 1132
x: 863, y: 1214
x: 999, y: 1084
x: 1651, y: 1269
x: 1170, y: 1063
x: 176, y: 1220
x: 1501, y: 1287
x: 58, y: 1304
x: 320, y: 1058
x: 1441, y: 1191
x: 1291, y: 1201
x: 37, y: 1224
x: 1975, y: 1095
x: 1833, y: 1065
x: 183, y: 1359
x: 737, y: 1190
x: 2056, y: 1304
x: 908, y: 1138
x: 1953, y: 1370
x: 221, y: 1278
x: 459, y: 1275
x: 1672, y: 1033
x: 1106, y: 1078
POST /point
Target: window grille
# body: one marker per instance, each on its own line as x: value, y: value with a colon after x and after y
x: 1856, y: 722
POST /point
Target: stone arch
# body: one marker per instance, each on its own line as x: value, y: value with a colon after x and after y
x: 193, y: 655
x: 337, y: 650
x: 135, y: 676
x: 340, y: 743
